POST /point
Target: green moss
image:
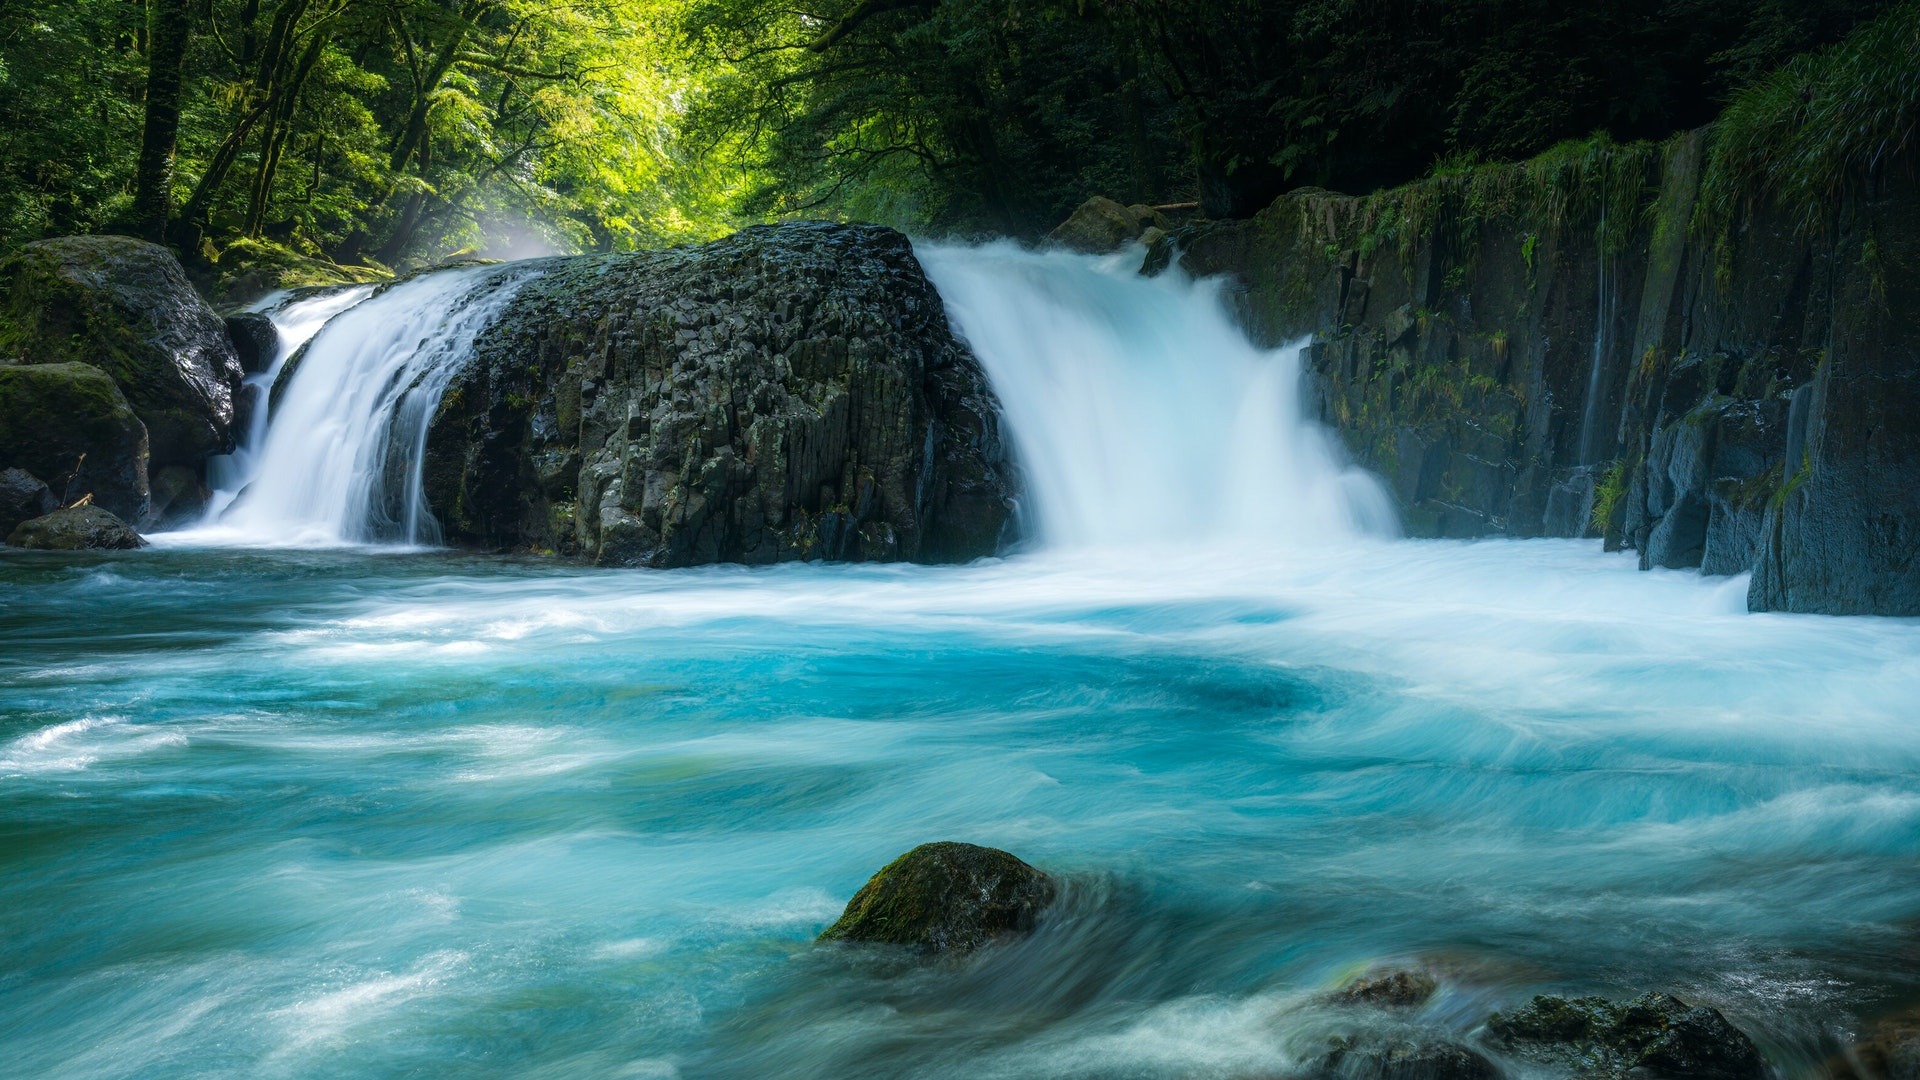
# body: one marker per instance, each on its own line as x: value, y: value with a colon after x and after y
x: 1609, y: 497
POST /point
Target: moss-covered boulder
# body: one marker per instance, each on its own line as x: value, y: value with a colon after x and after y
x: 126, y: 307
x: 76, y: 528
x: 23, y: 497
x: 1101, y: 226
x: 1654, y: 1035
x: 69, y: 425
x: 945, y: 896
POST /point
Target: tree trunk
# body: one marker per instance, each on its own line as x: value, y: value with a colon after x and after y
x: 170, y: 28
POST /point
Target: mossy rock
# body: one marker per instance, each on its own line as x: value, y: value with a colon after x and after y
x: 946, y: 896
x: 125, y: 306
x: 1654, y: 1035
x: 1102, y: 226
x: 76, y: 528
x: 1375, y: 1058
x: 69, y: 425
x: 1398, y: 989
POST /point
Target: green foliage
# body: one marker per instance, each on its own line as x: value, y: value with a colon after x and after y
x: 1803, y: 136
x: 1609, y: 497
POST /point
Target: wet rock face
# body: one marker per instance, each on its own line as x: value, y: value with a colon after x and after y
x: 76, y: 528
x: 1891, y: 1051
x: 790, y: 392
x: 23, y: 496
x: 69, y: 425
x: 126, y: 307
x: 1654, y: 1035
x: 945, y: 896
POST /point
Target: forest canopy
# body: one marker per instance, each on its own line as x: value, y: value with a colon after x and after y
x: 385, y: 132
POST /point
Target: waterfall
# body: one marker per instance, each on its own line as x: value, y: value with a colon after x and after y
x: 1139, y: 411
x: 338, y: 461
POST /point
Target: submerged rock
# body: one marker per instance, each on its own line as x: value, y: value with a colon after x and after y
x: 945, y: 896
x: 126, y: 307
x: 69, y: 425
x: 76, y: 528
x: 1891, y: 1051
x: 23, y: 496
x: 1403, y: 1059
x: 1398, y: 989
x: 790, y: 392
x: 1654, y: 1034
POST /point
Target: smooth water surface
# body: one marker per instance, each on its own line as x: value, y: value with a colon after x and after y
x: 348, y: 815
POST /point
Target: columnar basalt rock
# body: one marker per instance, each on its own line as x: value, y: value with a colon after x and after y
x: 1560, y: 348
x: 790, y: 392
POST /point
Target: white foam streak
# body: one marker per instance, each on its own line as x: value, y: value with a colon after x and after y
x: 1141, y: 413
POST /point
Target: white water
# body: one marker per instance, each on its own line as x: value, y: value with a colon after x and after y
x: 1141, y: 414
x: 297, y: 321
x: 339, y: 461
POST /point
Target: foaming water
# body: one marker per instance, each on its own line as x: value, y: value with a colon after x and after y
x: 1141, y: 412
x: 297, y: 320
x: 339, y: 460
x: 429, y: 814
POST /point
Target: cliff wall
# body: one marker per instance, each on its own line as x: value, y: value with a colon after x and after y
x: 1596, y: 343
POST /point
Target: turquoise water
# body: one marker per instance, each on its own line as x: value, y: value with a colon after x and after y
x: 351, y: 814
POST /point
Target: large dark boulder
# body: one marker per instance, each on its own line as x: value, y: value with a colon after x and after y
x: 1655, y: 1035
x: 23, y: 496
x: 69, y: 425
x: 256, y: 341
x: 76, y: 528
x: 790, y: 392
x: 945, y: 896
x: 126, y: 307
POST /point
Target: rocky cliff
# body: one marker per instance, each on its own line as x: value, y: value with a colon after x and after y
x: 790, y: 392
x: 1594, y: 344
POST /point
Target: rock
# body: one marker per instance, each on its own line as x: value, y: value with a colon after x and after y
x: 179, y: 496
x: 945, y: 896
x: 76, y: 528
x: 790, y: 392
x: 255, y: 340
x: 1655, y: 1034
x: 1403, y: 1059
x: 23, y: 496
x: 1891, y: 1051
x: 69, y: 425
x: 1399, y: 989
x: 125, y: 306
x: 1102, y: 226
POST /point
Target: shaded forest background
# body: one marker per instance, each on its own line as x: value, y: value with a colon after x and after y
x: 381, y: 133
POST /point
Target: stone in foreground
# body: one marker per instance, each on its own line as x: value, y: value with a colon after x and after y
x: 1398, y: 989
x: 945, y: 896
x: 1653, y: 1035
x: 76, y: 528
x: 1403, y: 1059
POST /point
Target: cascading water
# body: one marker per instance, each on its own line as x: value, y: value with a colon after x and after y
x: 1141, y: 414
x: 339, y: 460
x: 297, y: 321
